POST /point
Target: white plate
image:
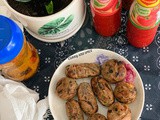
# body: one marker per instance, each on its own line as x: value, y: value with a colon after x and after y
x: 57, y: 105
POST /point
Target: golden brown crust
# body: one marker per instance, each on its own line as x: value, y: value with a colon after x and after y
x: 66, y: 88
x: 118, y: 111
x: 87, y: 99
x: 113, y: 71
x: 73, y: 110
x: 128, y: 116
x: 97, y: 116
x: 102, y: 90
x: 125, y: 92
x: 82, y: 70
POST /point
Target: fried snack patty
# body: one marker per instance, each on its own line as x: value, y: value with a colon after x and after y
x: 125, y: 92
x: 128, y: 116
x: 66, y: 88
x: 87, y: 99
x: 102, y: 90
x: 118, y: 111
x: 73, y: 110
x: 97, y: 116
x: 82, y: 70
x: 113, y: 71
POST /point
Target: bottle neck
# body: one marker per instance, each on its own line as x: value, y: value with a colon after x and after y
x: 103, y: 5
x: 148, y: 3
x: 103, y: 8
x: 144, y: 17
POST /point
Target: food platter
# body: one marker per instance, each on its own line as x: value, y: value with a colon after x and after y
x: 57, y: 105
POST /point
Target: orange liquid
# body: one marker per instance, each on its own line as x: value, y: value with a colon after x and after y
x: 24, y: 65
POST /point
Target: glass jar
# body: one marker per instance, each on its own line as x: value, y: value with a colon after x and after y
x: 19, y: 59
x: 106, y: 16
x: 143, y: 22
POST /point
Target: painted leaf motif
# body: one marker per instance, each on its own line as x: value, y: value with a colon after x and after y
x: 66, y: 22
x: 51, y: 31
x: 51, y: 27
x: 23, y: 0
x: 56, y: 22
x: 55, y: 26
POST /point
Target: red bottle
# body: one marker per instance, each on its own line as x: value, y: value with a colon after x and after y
x: 143, y: 22
x: 106, y: 16
x: 126, y: 4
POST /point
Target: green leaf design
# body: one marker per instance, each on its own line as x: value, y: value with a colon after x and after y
x: 51, y: 27
x: 55, y: 26
x: 23, y: 0
x: 56, y: 22
x: 66, y: 22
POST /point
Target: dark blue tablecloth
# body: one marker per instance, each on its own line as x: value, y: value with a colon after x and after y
x: 146, y: 60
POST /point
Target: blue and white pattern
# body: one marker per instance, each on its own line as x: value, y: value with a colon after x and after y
x: 146, y: 60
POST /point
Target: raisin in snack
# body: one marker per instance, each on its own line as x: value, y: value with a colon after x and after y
x: 102, y: 89
x: 66, y: 88
x: 125, y: 92
x: 97, y: 116
x: 118, y: 111
x: 87, y: 99
x: 82, y: 70
x: 73, y: 110
x: 113, y: 71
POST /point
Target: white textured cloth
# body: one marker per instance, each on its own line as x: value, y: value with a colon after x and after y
x: 17, y: 102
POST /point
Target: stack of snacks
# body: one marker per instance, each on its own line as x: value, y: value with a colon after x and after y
x: 85, y: 95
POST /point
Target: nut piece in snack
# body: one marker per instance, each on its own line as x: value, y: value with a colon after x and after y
x: 87, y: 99
x: 118, y: 111
x: 97, y: 116
x: 66, y: 88
x: 113, y: 71
x: 73, y: 110
x: 125, y: 92
x: 82, y: 70
x: 102, y: 90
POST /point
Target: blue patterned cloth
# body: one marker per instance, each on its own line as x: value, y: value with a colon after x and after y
x: 146, y: 60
